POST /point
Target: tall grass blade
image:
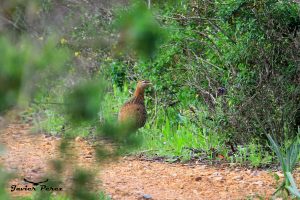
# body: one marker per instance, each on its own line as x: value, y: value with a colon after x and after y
x: 293, y: 187
x: 275, y: 148
x: 293, y: 154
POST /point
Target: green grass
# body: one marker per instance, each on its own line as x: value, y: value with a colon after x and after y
x: 168, y: 135
x: 163, y: 139
x: 177, y: 141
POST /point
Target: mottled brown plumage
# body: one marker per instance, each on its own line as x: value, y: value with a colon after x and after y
x: 133, y: 113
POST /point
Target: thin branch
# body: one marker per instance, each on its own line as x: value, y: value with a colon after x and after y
x: 221, y: 30
x: 10, y: 22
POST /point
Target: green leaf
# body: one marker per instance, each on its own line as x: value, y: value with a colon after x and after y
x: 275, y: 148
x: 293, y: 187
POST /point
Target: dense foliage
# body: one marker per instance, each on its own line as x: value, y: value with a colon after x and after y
x: 237, y: 60
x: 225, y: 73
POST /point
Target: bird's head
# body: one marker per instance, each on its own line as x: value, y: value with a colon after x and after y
x: 143, y: 84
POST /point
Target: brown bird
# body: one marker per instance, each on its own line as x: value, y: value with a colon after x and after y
x: 133, y: 113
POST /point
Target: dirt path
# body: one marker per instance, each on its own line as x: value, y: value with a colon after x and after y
x: 27, y: 155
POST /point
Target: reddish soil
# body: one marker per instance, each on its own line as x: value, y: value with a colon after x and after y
x: 28, y: 156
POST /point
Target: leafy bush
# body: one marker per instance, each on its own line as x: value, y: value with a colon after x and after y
x: 223, y: 71
x: 30, y: 67
x: 236, y: 59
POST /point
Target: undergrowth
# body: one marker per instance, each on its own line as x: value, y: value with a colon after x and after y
x: 172, y: 138
x: 221, y: 77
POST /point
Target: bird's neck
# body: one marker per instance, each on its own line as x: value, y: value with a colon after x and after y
x: 139, y: 93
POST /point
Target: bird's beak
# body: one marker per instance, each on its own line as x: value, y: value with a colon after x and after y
x: 147, y: 82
